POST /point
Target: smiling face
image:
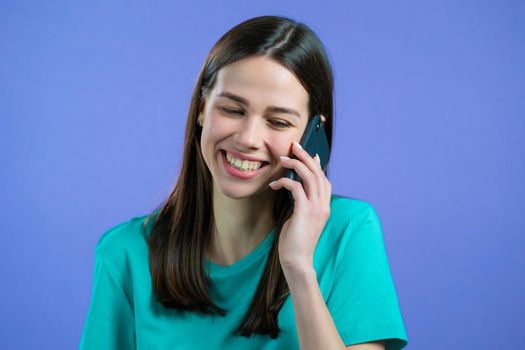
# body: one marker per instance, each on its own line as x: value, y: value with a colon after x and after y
x: 255, y: 110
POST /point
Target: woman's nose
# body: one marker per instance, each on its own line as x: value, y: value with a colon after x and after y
x: 250, y: 133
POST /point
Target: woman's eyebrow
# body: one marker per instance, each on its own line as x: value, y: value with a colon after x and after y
x: 234, y: 97
x: 245, y: 102
x: 284, y: 110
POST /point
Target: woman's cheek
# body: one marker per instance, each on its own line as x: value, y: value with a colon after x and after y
x: 280, y: 148
x: 284, y: 143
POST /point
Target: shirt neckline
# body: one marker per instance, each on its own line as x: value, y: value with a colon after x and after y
x: 245, y: 261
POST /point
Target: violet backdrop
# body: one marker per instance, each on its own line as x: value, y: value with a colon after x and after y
x: 430, y: 129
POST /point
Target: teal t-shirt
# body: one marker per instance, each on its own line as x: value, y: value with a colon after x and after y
x: 352, y: 270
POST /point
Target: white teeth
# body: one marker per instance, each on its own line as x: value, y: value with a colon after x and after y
x: 244, y: 165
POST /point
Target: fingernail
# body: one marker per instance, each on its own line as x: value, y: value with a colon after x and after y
x: 271, y: 183
x: 284, y: 157
x: 297, y: 145
x: 317, y: 158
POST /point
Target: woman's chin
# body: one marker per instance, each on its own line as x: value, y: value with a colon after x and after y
x: 242, y: 192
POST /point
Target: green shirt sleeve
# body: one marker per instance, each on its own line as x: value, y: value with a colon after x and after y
x: 363, y: 300
x: 110, y: 319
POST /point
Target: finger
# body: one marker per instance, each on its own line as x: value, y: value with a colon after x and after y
x: 328, y: 191
x: 301, y: 154
x: 311, y: 184
x: 312, y: 164
x: 294, y: 187
x: 323, y: 189
x: 328, y: 184
x: 322, y: 180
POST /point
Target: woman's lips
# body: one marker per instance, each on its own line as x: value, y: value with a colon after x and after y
x: 244, y: 156
x: 241, y: 174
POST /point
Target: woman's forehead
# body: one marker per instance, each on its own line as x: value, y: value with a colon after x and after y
x: 261, y: 78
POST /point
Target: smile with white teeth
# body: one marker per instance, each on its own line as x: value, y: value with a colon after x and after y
x: 244, y: 165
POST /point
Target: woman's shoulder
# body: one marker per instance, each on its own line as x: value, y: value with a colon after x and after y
x: 346, y: 210
x: 348, y: 218
x: 126, y: 239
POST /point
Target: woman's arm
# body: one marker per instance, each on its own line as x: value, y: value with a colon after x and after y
x: 315, y: 327
x: 380, y: 345
x: 297, y: 242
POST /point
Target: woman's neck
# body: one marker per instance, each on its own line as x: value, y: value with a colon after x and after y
x: 240, y: 225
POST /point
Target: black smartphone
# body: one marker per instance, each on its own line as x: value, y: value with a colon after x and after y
x: 313, y: 141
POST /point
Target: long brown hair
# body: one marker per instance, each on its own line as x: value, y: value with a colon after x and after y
x: 182, y: 227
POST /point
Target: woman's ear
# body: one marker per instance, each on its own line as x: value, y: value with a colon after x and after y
x: 200, y: 119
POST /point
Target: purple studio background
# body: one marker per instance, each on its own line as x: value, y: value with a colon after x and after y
x: 430, y: 129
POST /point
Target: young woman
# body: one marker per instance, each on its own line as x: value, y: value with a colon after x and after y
x: 227, y: 262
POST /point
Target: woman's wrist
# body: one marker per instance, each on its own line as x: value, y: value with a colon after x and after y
x: 299, y: 270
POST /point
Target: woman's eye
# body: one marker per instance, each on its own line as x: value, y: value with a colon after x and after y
x: 233, y: 111
x: 280, y: 123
